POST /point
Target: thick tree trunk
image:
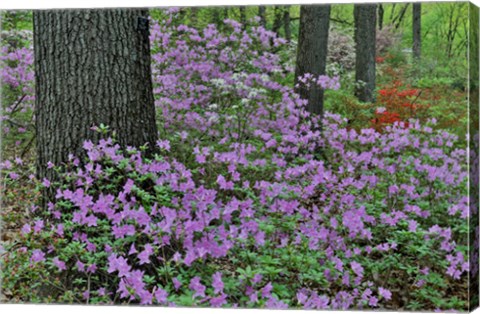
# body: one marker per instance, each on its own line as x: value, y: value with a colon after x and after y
x: 312, y: 52
x: 262, y: 14
x: 417, y: 30
x: 92, y: 67
x: 365, y: 31
x: 286, y: 23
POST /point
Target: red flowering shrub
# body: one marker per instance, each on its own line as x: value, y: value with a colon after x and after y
x: 379, y: 59
x: 399, y: 105
x: 383, y: 118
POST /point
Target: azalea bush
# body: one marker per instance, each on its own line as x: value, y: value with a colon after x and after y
x: 400, y: 105
x: 245, y: 202
x: 341, y: 49
x: 17, y: 89
x: 125, y: 228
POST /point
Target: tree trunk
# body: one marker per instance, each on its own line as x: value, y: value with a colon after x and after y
x: 92, y: 67
x: 286, y: 23
x: 277, y: 22
x: 400, y: 17
x: 381, y: 13
x: 392, y: 13
x: 262, y: 14
x: 312, y: 52
x: 417, y: 31
x: 365, y: 31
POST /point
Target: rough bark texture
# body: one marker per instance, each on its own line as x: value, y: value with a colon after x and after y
x: 365, y: 31
x: 286, y: 23
x: 312, y: 52
x: 262, y: 14
x: 92, y: 67
x: 417, y: 30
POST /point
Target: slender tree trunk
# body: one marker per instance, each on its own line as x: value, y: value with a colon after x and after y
x: 365, y: 31
x: 400, y: 17
x: 286, y: 23
x: 454, y: 22
x: 92, y: 67
x: 262, y: 14
x: 312, y: 52
x: 277, y: 22
x: 417, y: 30
x: 392, y: 13
x: 381, y: 13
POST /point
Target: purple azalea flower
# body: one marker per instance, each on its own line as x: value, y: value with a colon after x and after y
x: 373, y: 301
x: 257, y: 278
x: 196, y: 286
x: 357, y: 268
x: 267, y: 290
x: 217, y: 283
x: 161, y: 296
x: 46, y: 183
x: 385, y: 293
x: 57, y: 262
x: 176, y: 283
x: 144, y: 256
x: 26, y: 229
x: 219, y: 300
x: 80, y: 266
x: 118, y: 264
x: 37, y: 256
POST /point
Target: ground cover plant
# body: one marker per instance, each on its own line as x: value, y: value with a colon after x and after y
x: 247, y: 201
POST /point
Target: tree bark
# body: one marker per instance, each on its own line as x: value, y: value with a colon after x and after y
x: 286, y: 23
x: 277, y: 22
x: 400, y: 17
x: 92, y: 67
x: 381, y: 13
x: 417, y: 30
x: 312, y: 52
x: 365, y: 31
